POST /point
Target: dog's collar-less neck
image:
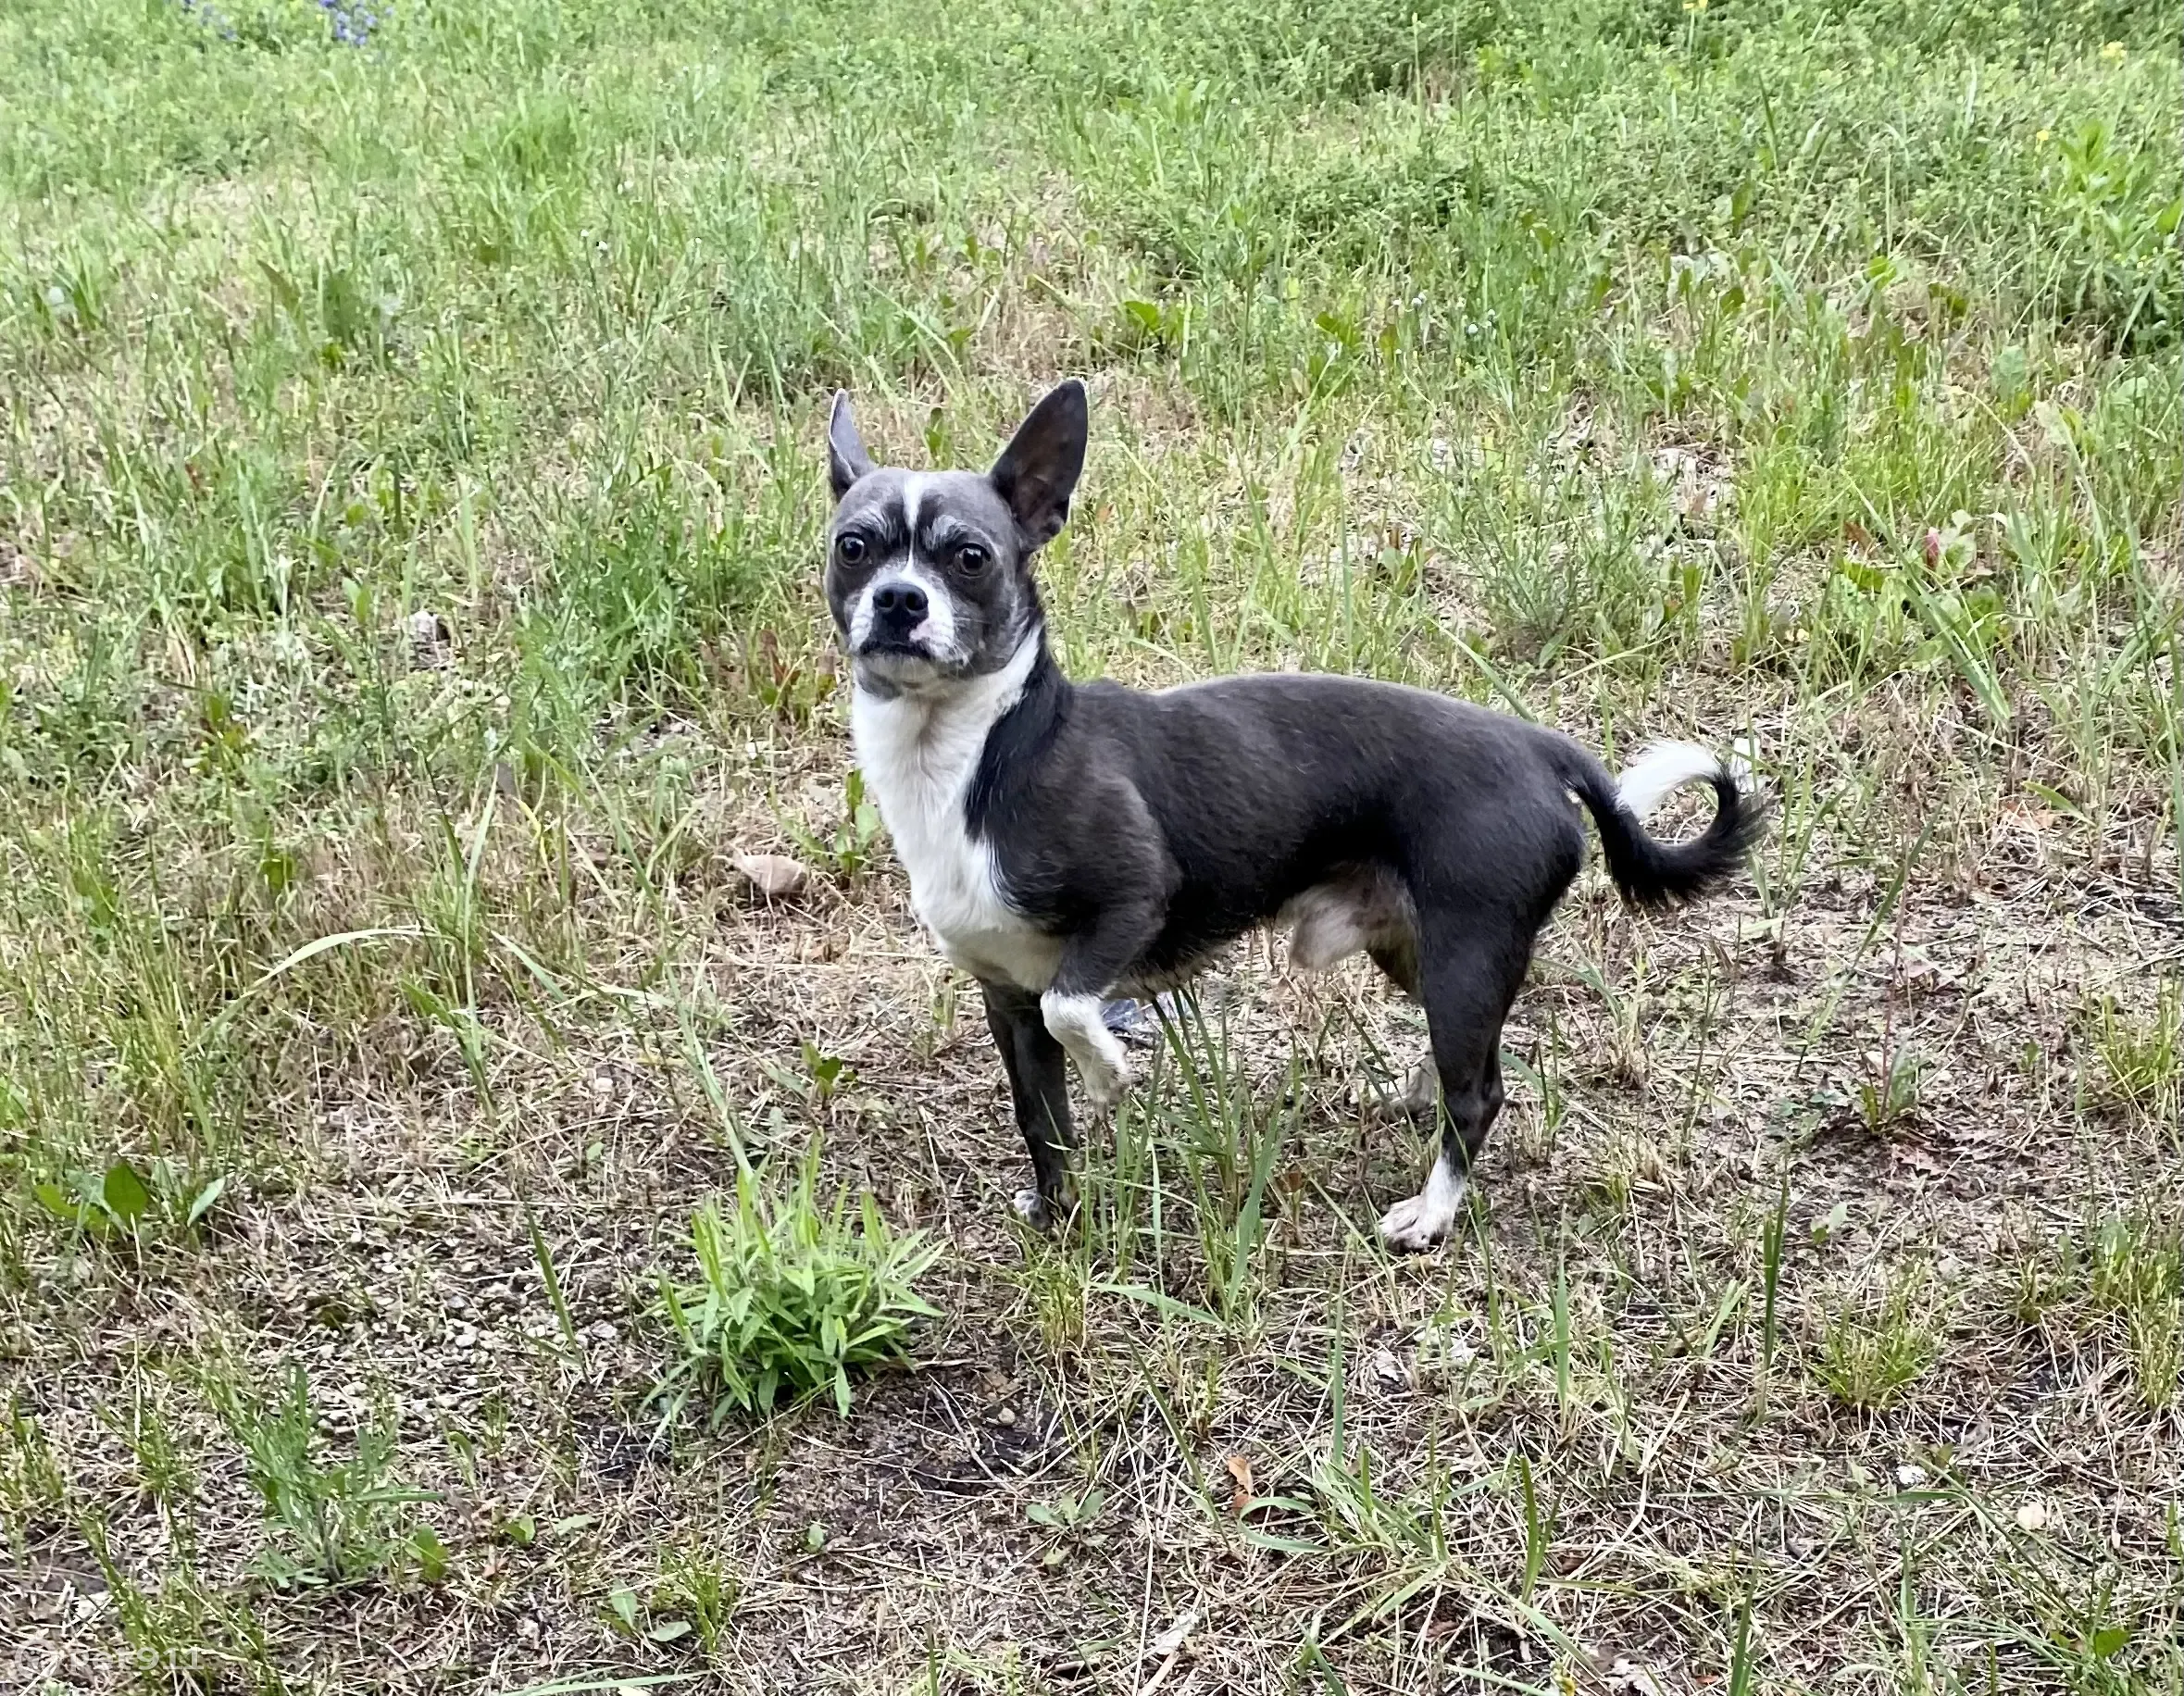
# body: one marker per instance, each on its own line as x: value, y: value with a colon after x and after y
x: 1020, y: 734
x: 961, y: 710
x: 1041, y: 685
x: 998, y: 721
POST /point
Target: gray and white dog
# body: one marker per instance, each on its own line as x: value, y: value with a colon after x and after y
x: 1068, y: 842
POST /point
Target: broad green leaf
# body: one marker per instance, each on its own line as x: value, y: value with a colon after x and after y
x: 124, y: 1194
x: 431, y: 1553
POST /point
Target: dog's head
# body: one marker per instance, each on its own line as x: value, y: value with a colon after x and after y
x: 928, y: 573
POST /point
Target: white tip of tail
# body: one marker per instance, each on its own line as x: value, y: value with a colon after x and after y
x: 1660, y: 770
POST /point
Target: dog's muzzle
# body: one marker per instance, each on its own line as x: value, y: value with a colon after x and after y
x: 899, y: 614
x: 900, y: 619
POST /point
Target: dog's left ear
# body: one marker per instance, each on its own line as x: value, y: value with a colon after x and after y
x: 1038, y: 472
x: 846, y: 458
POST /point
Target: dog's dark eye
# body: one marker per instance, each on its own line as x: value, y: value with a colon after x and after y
x: 850, y: 550
x: 972, y: 559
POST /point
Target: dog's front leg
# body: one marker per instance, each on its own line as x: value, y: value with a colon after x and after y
x: 1093, y: 963
x: 1039, y: 1087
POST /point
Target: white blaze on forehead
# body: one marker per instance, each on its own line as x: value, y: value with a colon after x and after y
x: 913, y: 503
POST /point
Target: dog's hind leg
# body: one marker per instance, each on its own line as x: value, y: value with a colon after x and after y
x: 1396, y: 954
x: 1039, y: 1086
x: 1468, y: 976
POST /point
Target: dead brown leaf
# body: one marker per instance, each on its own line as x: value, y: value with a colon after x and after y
x: 775, y: 875
x: 1240, y: 1469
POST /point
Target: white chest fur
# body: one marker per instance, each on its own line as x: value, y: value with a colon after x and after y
x: 919, y: 754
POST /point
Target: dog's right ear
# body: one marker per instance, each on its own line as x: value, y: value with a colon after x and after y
x: 1038, y: 470
x: 846, y: 458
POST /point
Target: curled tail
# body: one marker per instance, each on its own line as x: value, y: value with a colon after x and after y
x: 1652, y: 873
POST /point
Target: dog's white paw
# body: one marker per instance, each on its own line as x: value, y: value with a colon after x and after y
x: 1076, y: 1023
x: 1419, y: 1222
x: 1400, y: 1228
x: 1042, y: 1213
x: 1105, y: 1079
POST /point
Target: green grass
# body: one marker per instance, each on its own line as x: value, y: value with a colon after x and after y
x: 1872, y: 1350
x: 334, y: 1524
x: 792, y: 1297
x: 410, y: 488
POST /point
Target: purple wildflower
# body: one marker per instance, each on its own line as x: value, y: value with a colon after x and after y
x: 211, y: 17
x: 353, y: 20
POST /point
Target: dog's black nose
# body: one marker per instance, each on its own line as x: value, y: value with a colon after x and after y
x: 899, y: 602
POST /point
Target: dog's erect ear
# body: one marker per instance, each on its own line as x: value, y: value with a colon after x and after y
x: 1038, y: 470
x: 846, y: 458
